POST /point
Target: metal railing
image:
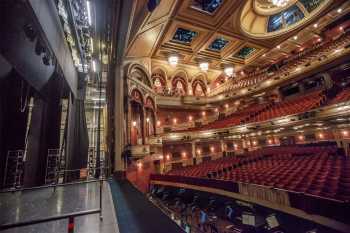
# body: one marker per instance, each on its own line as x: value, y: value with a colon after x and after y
x: 69, y: 216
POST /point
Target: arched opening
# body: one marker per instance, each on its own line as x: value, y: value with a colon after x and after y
x: 179, y: 86
x: 198, y: 88
x: 159, y: 83
x: 137, y: 118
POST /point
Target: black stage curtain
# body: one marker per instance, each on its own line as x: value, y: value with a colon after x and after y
x: 44, y: 131
x: 13, y: 92
x: 77, y: 135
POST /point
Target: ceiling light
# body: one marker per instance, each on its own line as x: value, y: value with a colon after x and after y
x: 295, y: 37
x: 278, y: 46
x: 89, y: 12
x: 341, y: 28
x: 173, y: 59
x: 339, y: 10
x: 264, y: 55
x: 229, y: 70
x: 204, y: 66
x: 279, y: 3
x: 315, y: 25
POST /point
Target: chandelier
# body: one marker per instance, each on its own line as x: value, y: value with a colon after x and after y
x: 279, y: 3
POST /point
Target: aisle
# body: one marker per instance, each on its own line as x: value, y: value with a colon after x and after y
x: 136, y: 214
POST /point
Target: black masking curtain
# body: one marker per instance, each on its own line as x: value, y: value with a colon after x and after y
x: 77, y: 135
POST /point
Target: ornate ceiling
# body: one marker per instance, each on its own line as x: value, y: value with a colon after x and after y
x: 223, y: 32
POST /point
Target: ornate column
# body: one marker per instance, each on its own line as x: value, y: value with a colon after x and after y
x: 143, y: 124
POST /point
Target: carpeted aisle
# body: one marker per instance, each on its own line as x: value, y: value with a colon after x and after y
x: 135, y: 214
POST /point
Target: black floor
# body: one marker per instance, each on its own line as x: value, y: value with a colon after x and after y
x: 136, y: 214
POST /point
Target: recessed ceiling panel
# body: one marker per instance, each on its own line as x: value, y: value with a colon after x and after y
x: 245, y: 52
x: 218, y: 44
x: 207, y: 6
x: 184, y: 36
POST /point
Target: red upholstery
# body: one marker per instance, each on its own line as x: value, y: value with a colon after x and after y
x: 342, y: 96
x: 315, y: 170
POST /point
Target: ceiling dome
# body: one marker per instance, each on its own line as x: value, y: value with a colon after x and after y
x: 270, y: 18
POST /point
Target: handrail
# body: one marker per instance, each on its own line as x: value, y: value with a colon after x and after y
x: 50, y: 186
x: 59, y: 185
x: 49, y: 219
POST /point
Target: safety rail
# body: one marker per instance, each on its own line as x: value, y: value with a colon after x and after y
x: 69, y: 216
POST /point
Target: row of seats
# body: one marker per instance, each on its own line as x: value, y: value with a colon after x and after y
x: 342, y: 96
x: 302, y: 58
x: 290, y: 107
x: 263, y: 112
x: 315, y: 170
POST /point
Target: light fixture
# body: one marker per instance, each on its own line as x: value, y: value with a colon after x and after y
x: 190, y: 118
x: 345, y: 133
x: 173, y: 60
x: 264, y: 55
x: 278, y: 46
x: 339, y: 10
x: 341, y: 28
x: 212, y: 149
x: 226, y: 106
x: 315, y: 25
x: 168, y: 157
x: 147, y: 119
x: 89, y: 12
x: 134, y: 123
x: 174, y: 120
x: 93, y: 65
x: 92, y: 45
x: 203, y: 113
x: 229, y: 70
x: 295, y: 37
x: 184, y: 154
x: 158, y: 123
x: 199, y: 151
x: 204, y: 66
x: 279, y: 3
x: 216, y: 109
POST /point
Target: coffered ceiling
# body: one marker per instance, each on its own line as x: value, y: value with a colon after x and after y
x: 213, y: 33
